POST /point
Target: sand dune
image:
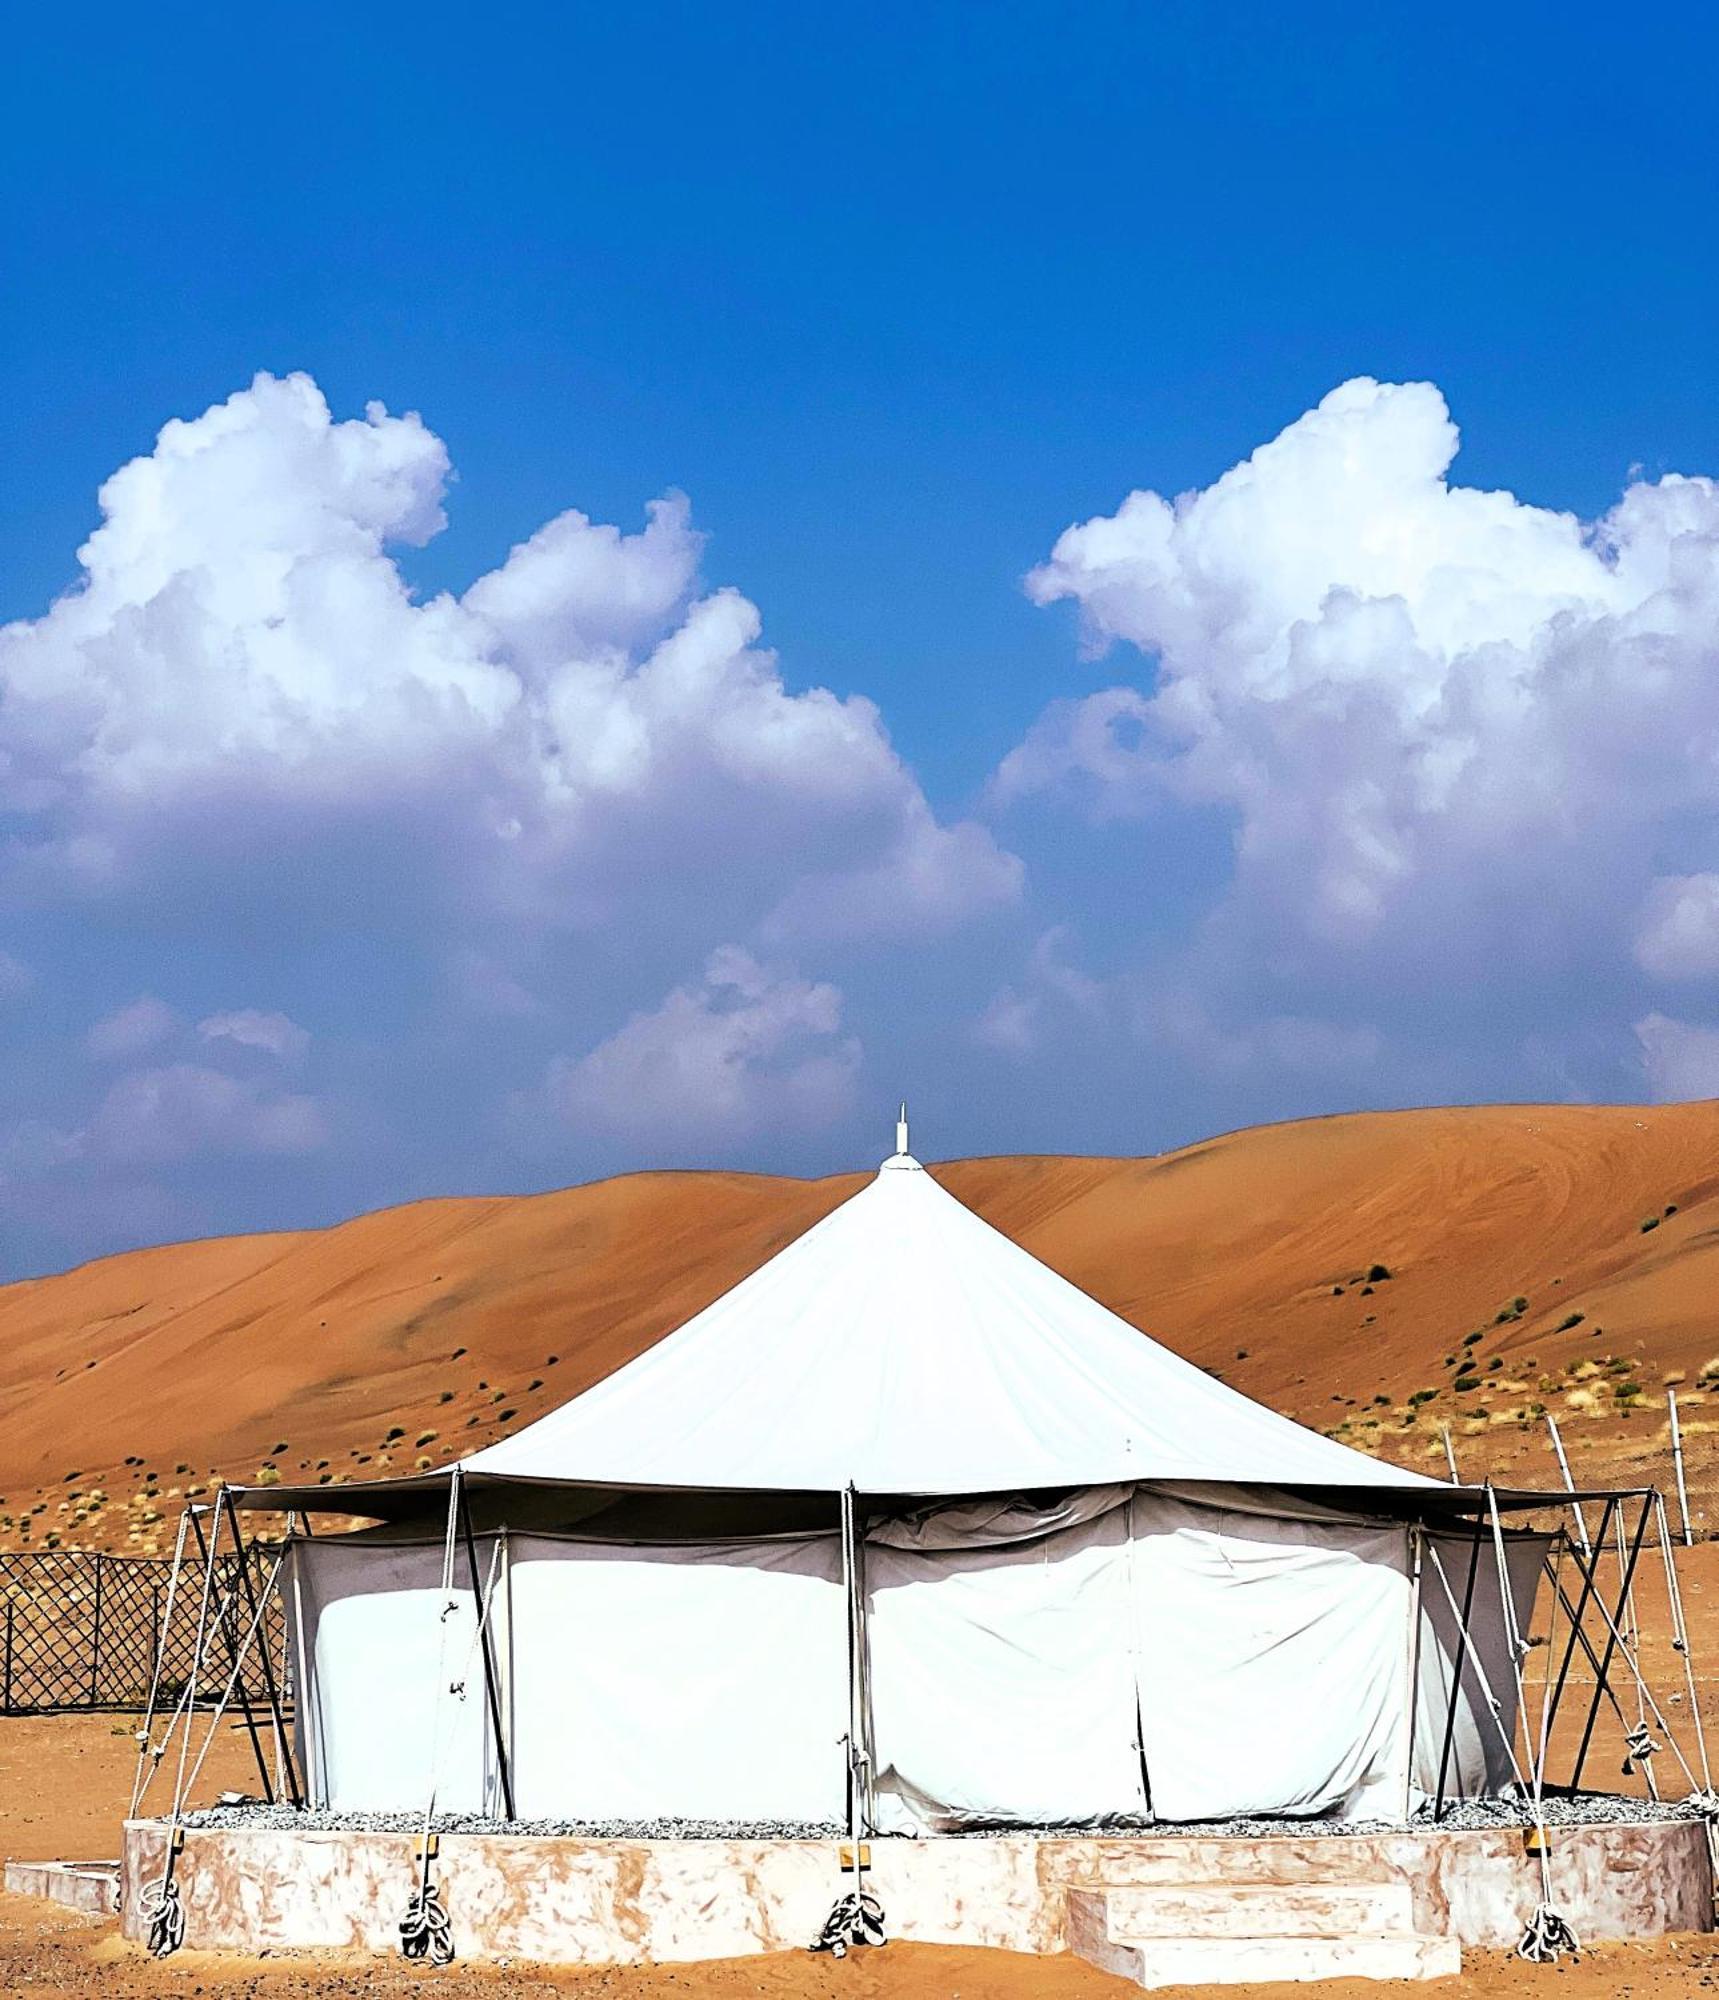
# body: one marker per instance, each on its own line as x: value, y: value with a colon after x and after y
x: 451, y: 1322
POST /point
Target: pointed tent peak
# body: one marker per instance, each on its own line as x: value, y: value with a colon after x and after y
x: 901, y: 1157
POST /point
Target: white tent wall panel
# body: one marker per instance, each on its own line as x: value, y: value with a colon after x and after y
x: 1274, y: 1662
x: 698, y: 1682
x: 1264, y: 1661
x: 373, y: 1658
x: 1002, y: 1681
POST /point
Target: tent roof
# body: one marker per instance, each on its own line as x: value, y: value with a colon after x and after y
x: 903, y: 1345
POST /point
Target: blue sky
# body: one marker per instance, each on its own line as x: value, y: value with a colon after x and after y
x: 1344, y: 792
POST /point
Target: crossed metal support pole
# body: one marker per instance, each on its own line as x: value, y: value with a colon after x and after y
x: 222, y: 1509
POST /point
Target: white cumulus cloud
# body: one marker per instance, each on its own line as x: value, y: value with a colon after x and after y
x: 1452, y: 735
x: 747, y: 1046
x: 143, y: 1023
x: 185, y: 1110
x: 252, y: 1028
x: 1679, y: 933
x: 244, y: 691
x: 1680, y: 1058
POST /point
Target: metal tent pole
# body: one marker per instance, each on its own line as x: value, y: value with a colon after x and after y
x: 1569, y: 1485
x: 1611, y: 1639
x: 491, y: 1687
x: 270, y: 1688
x: 859, y: 1758
x: 1677, y: 1462
x: 207, y: 1550
x: 1456, y: 1677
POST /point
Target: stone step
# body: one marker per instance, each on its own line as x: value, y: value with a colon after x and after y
x: 1259, y: 1910
x: 90, y: 1886
x: 1237, y: 1960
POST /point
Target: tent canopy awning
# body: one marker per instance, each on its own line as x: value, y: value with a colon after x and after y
x: 498, y: 1499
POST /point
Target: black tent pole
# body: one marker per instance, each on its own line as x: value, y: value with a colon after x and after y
x: 1604, y: 1681
x: 1456, y: 1677
x: 1589, y: 1566
x: 257, y: 1620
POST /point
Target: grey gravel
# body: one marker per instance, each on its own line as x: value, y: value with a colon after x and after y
x: 1476, y: 1813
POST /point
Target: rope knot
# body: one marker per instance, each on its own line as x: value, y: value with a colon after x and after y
x: 1547, y: 1937
x: 855, y: 1919
x: 425, y: 1929
x: 165, y: 1913
x: 1640, y: 1746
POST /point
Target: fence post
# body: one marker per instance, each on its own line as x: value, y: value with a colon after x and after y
x: 95, y: 1638
x: 157, y: 1638
x: 6, y: 1689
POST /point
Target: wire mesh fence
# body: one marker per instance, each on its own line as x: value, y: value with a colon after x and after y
x: 85, y: 1631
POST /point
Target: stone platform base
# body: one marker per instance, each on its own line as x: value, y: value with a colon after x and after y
x: 90, y: 1886
x: 581, y: 1901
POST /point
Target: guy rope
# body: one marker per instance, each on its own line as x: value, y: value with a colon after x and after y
x: 426, y: 1930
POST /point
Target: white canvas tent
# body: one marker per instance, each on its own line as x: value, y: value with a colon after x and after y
x: 906, y: 1487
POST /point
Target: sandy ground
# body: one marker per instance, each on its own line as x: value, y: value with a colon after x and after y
x: 64, y: 1782
x: 408, y: 1336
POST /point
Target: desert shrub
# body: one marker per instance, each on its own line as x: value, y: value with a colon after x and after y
x: 1494, y: 1364
x: 268, y: 1475
x: 1466, y: 1382
x: 1709, y: 1371
x: 1336, y: 1291
x: 1469, y: 1339
x: 1649, y: 1222
x: 1671, y: 1208
x: 1569, y: 1320
x: 447, y: 1396
x: 506, y: 1416
x: 424, y: 1438
x: 394, y: 1431
x: 1377, y: 1273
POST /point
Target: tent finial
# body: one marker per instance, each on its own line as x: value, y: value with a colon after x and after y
x: 901, y: 1132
